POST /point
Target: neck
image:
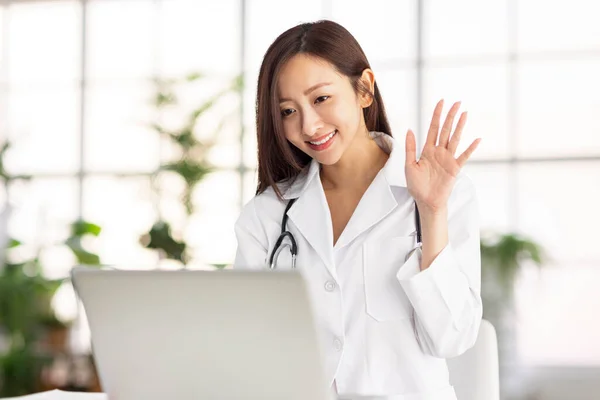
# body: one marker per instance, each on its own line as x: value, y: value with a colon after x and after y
x: 357, y: 168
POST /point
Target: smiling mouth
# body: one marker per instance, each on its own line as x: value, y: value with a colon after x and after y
x: 324, y: 140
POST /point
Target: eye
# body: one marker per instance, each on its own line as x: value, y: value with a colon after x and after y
x: 321, y: 99
x: 287, y: 112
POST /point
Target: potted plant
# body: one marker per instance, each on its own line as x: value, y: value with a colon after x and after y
x: 23, y: 302
x: 502, y: 259
x: 190, y: 164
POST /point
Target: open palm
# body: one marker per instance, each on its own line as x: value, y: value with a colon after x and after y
x: 430, y: 179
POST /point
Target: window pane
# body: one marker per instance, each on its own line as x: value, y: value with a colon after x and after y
x: 44, y: 130
x: 121, y: 38
x: 188, y: 42
x: 3, y: 20
x: 250, y: 147
x: 558, y: 315
x: 558, y: 206
x: 210, y: 231
x: 219, y: 123
x: 44, y: 41
x: 392, y: 37
x: 267, y: 19
x: 492, y: 184
x: 483, y: 91
x: 562, y: 26
x: 558, y: 107
x: 4, y: 122
x: 226, y: 151
x: 116, y: 128
x: 124, y: 210
x: 250, y: 183
x: 398, y: 91
x: 249, y: 117
x: 42, y: 210
x: 466, y: 27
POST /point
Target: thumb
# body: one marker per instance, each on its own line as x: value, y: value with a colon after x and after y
x: 411, y: 148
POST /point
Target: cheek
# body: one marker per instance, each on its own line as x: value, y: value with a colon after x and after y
x: 346, y: 113
x: 291, y: 131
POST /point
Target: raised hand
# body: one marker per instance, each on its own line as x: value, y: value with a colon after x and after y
x: 430, y: 179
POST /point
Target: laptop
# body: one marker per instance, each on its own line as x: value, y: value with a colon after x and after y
x: 191, y: 334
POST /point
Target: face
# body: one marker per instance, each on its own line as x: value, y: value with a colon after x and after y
x: 322, y: 114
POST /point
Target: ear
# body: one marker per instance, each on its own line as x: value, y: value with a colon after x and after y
x: 367, y: 81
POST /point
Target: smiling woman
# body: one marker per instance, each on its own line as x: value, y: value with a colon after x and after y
x: 318, y: 84
x: 395, y: 304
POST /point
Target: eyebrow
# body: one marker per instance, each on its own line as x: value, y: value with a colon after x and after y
x: 309, y: 90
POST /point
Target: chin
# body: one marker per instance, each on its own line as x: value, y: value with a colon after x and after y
x: 327, y: 159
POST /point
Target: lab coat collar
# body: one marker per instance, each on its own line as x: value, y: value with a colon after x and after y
x: 312, y: 204
x: 393, y: 169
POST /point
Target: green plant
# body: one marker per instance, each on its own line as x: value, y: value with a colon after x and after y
x: 20, y: 368
x: 81, y: 229
x: 503, y: 256
x: 190, y: 165
x: 26, y: 312
x: 26, y: 295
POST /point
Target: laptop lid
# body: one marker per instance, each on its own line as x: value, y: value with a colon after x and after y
x: 192, y: 334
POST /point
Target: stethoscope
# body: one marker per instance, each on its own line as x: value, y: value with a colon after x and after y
x: 279, y: 245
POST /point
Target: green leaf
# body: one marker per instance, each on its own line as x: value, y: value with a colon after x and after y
x: 82, y: 255
x: 238, y: 83
x: 3, y: 173
x: 81, y: 228
x: 12, y: 243
x: 86, y: 258
x: 502, y: 257
x: 194, y: 76
x: 191, y: 171
x: 185, y: 138
x: 159, y: 237
x: 158, y: 129
x: 197, y: 113
x: 164, y: 98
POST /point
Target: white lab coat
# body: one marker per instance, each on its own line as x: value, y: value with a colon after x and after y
x: 386, y: 327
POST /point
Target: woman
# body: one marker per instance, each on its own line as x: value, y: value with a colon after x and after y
x: 388, y: 316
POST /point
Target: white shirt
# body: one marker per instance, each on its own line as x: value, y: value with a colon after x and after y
x: 386, y: 326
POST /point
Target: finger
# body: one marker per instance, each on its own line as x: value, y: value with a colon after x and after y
x: 434, y: 127
x: 455, y: 139
x: 448, y: 123
x: 411, y: 148
x: 467, y: 153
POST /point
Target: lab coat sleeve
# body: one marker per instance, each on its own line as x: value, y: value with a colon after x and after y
x: 251, y: 239
x: 446, y: 296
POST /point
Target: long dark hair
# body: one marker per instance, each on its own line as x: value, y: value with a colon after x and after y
x: 278, y: 160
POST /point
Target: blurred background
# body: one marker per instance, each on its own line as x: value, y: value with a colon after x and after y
x: 127, y: 138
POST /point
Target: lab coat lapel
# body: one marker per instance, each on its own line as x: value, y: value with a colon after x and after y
x: 379, y: 200
x: 310, y: 214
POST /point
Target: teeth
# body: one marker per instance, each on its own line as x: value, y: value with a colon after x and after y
x: 324, y: 140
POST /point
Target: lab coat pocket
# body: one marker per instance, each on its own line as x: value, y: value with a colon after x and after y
x: 384, y: 296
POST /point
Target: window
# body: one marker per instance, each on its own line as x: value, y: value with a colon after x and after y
x: 76, y: 105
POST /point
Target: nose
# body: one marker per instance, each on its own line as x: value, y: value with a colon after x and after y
x: 311, y: 122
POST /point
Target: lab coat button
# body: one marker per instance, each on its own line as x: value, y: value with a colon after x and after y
x: 338, y: 345
x: 330, y: 286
